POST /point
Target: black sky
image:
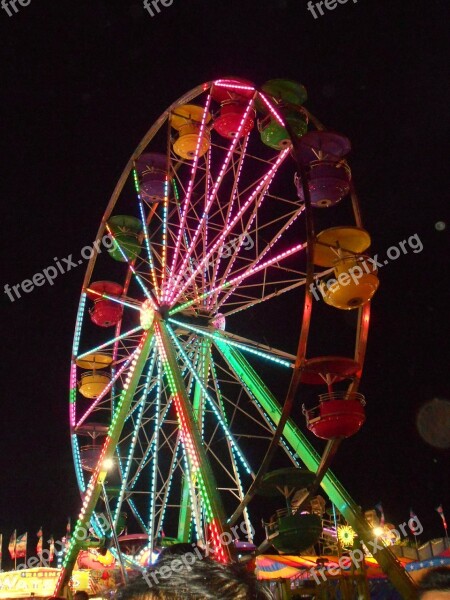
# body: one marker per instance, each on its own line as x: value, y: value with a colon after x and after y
x: 83, y: 80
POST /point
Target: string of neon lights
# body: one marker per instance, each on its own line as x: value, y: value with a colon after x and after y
x: 148, y: 247
x: 211, y: 199
x: 110, y: 342
x: 272, y: 110
x: 126, y: 471
x: 189, y: 190
x: 265, y: 181
x: 247, y: 273
x: 131, y: 267
x: 217, y: 336
x: 190, y: 448
x: 116, y: 299
x: 107, y: 388
x: 219, y: 417
x: 233, y: 86
x: 234, y: 194
x: 233, y: 454
x: 73, y: 371
x: 154, y: 446
x: 264, y: 251
x: 186, y: 242
x: 73, y: 393
x: 164, y: 235
x: 96, y: 481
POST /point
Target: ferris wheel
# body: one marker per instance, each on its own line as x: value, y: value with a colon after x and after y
x: 183, y: 372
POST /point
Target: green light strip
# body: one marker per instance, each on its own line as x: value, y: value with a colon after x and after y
x: 222, y: 422
x: 218, y: 337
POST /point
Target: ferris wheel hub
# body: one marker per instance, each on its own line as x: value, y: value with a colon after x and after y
x: 147, y: 315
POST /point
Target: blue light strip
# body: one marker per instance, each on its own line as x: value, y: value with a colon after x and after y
x: 155, y: 445
x: 220, y: 338
x: 141, y: 403
x: 116, y: 339
x: 238, y: 475
x: 211, y: 402
x: 133, y: 270
x: 147, y: 244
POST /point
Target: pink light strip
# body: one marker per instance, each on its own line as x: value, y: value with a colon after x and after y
x: 117, y: 299
x: 211, y: 198
x: 187, y: 199
x: 230, y: 210
x: 266, y: 180
x: 254, y: 269
x: 73, y: 388
x: 272, y: 110
x: 233, y: 86
x: 132, y: 269
x: 107, y: 388
x: 164, y: 235
x: 148, y: 246
x: 113, y: 340
x: 269, y: 246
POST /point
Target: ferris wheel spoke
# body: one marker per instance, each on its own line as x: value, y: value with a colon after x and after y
x: 210, y: 400
x: 164, y: 236
x: 268, y: 353
x: 212, y: 196
x: 288, y: 220
x: 125, y: 472
x: 230, y: 205
x: 189, y: 190
x: 127, y: 335
x: 106, y: 390
x: 197, y: 461
x: 256, y: 267
x: 257, y: 196
x: 148, y: 248
x: 154, y: 446
x: 138, y: 278
x: 218, y: 392
x: 264, y: 298
x: 239, y: 278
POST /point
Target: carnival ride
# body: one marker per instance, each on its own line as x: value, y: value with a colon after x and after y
x: 178, y: 403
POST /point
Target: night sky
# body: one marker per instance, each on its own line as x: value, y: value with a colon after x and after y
x: 84, y: 80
